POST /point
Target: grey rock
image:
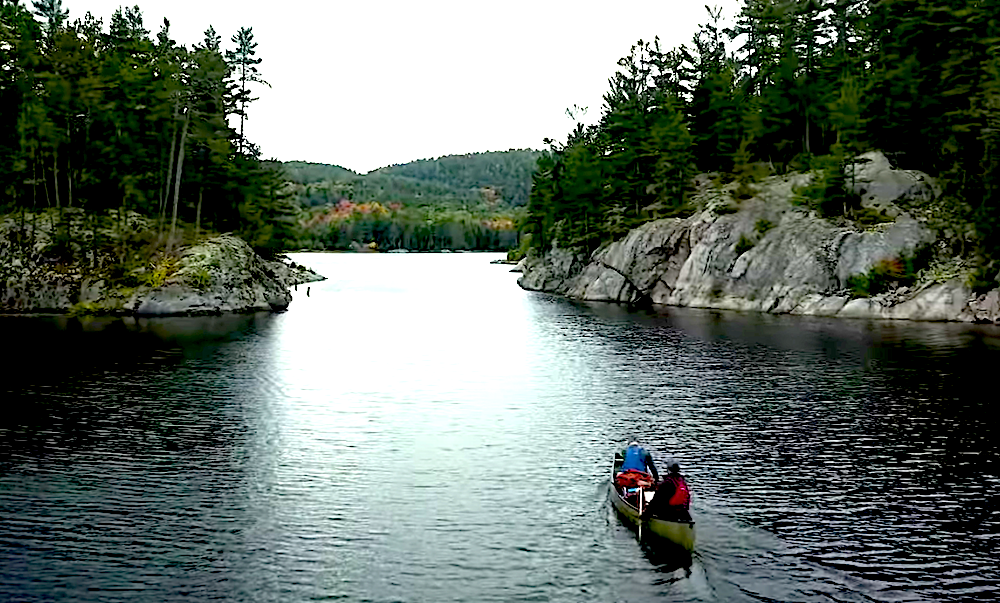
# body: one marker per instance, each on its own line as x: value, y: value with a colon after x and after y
x: 986, y: 307
x: 861, y: 308
x: 219, y: 275
x: 91, y: 291
x: 292, y: 274
x: 942, y: 301
x: 860, y: 251
x: 175, y: 299
x: 799, y: 266
x: 279, y: 302
x: 814, y: 304
x: 31, y: 292
x: 883, y: 188
x: 553, y: 271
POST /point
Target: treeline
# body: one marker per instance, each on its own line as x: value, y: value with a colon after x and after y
x: 812, y: 83
x: 500, y: 179
x: 373, y: 225
x: 469, y: 202
x: 111, y: 120
x: 380, y: 188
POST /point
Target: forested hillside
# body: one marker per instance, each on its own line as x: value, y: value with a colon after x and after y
x: 810, y: 85
x: 97, y: 122
x: 508, y: 173
x: 456, y: 202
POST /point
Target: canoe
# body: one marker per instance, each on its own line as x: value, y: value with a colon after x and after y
x: 680, y: 533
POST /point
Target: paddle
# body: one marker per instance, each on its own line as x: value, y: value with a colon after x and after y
x: 641, y: 496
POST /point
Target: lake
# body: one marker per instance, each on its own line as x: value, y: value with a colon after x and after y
x: 418, y: 428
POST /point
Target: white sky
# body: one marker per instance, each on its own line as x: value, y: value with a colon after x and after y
x: 371, y: 83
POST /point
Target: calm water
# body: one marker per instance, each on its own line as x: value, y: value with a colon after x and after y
x: 420, y: 429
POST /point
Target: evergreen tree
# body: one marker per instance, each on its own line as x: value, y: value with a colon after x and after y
x: 715, y: 109
x: 244, y: 61
x: 122, y: 121
x: 53, y: 14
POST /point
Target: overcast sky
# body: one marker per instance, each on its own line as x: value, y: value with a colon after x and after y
x: 371, y: 83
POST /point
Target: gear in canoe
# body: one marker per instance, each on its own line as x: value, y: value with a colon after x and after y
x: 639, y: 496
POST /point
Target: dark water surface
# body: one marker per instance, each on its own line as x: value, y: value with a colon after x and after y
x: 420, y: 429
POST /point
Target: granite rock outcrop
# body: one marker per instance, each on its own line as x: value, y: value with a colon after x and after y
x: 218, y: 275
x: 773, y: 255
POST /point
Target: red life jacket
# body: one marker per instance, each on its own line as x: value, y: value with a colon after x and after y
x: 682, y: 496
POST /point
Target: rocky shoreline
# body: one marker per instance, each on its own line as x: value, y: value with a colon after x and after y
x: 222, y: 275
x: 215, y: 276
x: 798, y: 263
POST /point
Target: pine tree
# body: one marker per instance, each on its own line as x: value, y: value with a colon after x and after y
x: 53, y: 14
x: 244, y: 63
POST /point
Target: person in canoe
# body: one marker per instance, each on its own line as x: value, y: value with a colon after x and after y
x: 637, y: 469
x: 672, y: 500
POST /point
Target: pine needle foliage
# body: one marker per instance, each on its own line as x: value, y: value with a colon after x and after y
x: 809, y: 84
x: 102, y: 118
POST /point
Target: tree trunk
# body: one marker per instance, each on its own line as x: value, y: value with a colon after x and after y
x: 165, y: 191
x: 55, y: 175
x: 121, y: 228
x: 45, y: 185
x: 809, y: 52
x: 177, y: 180
x: 93, y: 241
x: 197, y: 213
x: 34, y: 202
x: 805, y: 142
x: 243, y: 102
x: 69, y: 169
x: 34, y: 183
x: 69, y: 182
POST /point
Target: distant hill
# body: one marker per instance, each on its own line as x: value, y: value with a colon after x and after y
x: 469, y: 202
x: 508, y: 172
x: 501, y: 178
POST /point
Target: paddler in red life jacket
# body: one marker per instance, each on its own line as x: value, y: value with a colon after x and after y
x: 638, y: 460
x: 672, y: 500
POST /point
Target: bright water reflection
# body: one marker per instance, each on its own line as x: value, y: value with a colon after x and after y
x: 417, y: 428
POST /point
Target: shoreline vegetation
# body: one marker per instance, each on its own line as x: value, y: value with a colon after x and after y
x: 653, y: 203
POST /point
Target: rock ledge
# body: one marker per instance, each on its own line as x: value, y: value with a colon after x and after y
x: 799, y: 265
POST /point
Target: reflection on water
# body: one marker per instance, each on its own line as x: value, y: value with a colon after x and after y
x: 420, y: 429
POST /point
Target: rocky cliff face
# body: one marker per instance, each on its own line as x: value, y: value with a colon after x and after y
x: 218, y: 275
x: 774, y: 256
